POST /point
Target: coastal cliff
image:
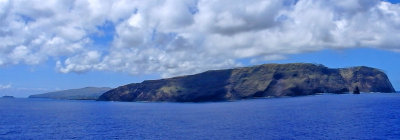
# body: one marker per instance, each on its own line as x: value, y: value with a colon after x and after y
x: 268, y: 80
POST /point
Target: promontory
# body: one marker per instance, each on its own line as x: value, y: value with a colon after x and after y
x: 87, y: 93
x: 268, y: 80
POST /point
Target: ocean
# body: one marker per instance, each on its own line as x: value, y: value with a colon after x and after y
x: 328, y: 116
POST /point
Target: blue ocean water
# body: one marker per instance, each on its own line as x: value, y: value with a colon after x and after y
x: 347, y: 116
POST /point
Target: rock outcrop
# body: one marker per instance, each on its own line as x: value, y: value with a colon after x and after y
x: 268, y: 80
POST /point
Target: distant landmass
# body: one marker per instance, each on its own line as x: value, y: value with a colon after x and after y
x: 87, y: 93
x: 7, y: 96
x: 268, y: 80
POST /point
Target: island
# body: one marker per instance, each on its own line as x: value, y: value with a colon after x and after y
x: 268, y: 80
x: 8, y: 96
x: 87, y: 93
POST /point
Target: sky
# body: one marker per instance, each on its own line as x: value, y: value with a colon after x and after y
x: 63, y: 44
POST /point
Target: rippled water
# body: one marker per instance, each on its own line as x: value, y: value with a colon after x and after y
x: 365, y: 116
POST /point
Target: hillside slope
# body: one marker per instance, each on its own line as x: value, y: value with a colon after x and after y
x: 87, y: 93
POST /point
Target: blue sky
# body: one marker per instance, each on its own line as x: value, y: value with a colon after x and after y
x: 110, y: 44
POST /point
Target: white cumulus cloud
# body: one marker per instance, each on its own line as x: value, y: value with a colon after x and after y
x: 7, y: 86
x: 175, y: 37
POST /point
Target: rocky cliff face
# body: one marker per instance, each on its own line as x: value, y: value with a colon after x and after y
x: 258, y: 81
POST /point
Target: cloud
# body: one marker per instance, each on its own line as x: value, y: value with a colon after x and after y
x: 5, y: 86
x: 175, y: 37
x: 80, y: 63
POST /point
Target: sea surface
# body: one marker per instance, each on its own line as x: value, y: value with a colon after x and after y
x: 347, y: 116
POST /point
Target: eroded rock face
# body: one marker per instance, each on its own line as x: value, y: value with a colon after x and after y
x: 258, y: 81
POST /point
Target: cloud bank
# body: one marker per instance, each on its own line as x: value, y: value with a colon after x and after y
x: 175, y: 37
x: 5, y: 86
